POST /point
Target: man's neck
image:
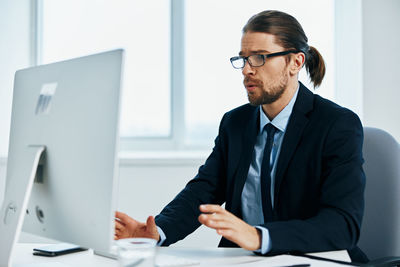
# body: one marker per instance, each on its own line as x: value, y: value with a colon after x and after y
x: 273, y: 109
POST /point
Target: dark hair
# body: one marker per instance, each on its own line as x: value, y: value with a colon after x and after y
x: 290, y: 35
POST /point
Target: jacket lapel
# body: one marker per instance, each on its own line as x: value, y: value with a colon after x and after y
x: 248, y: 142
x: 294, y: 131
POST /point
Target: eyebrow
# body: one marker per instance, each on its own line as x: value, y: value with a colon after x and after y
x: 255, y: 52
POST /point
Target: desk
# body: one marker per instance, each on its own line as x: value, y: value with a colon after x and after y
x: 205, y: 256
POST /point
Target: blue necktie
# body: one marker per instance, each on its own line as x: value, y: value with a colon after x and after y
x: 266, y: 174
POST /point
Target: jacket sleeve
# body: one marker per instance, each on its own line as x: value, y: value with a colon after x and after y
x: 180, y: 217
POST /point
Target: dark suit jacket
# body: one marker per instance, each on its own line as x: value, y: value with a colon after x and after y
x: 319, y: 186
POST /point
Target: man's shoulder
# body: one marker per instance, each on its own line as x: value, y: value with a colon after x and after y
x: 241, y: 113
x: 318, y: 105
x: 322, y: 104
x: 332, y: 113
x: 238, y: 118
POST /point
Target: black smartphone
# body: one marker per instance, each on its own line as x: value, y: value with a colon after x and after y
x: 57, y: 249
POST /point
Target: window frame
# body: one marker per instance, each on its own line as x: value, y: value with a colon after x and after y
x: 175, y: 140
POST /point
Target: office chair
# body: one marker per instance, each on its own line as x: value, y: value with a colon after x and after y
x: 380, y: 230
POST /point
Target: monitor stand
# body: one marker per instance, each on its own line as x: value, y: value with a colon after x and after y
x: 18, y: 190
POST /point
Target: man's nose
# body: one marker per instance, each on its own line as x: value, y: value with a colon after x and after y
x: 247, y: 69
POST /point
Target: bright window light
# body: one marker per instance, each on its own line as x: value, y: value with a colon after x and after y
x: 75, y: 28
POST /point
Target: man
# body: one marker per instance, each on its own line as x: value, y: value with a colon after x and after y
x: 288, y: 165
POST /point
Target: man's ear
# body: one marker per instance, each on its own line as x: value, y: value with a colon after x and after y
x: 297, y: 62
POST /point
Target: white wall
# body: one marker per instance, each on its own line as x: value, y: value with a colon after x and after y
x: 14, y: 54
x: 348, y: 55
x: 381, y: 69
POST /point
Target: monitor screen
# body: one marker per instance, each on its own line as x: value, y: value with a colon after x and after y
x: 71, y: 108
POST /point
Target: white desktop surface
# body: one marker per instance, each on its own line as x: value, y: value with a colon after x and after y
x: 205, y: 256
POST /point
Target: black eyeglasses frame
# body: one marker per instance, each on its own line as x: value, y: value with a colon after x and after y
x: 265, y: 56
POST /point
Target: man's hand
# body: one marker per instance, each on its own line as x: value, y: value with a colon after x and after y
x: 230, y: 226
x: 126, y: 227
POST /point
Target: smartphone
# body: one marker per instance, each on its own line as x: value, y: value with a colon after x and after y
x: 57, y: 249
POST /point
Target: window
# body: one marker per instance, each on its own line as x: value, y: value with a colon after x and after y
x: 75, y: 28
x: 178, y: 80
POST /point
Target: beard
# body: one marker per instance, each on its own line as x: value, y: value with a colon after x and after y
x: 275, y: 90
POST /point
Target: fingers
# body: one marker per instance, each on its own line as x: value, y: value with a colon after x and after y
x: 227, y: 233
x: 151, y: 223
x: 118, y: 233
x: 230, y: 226
x: 122, y: 216
x: 119, y: 225
x: 216, y: 214
x: 121, y: 222
x: 152, y: 228
x: 216, y: 217
x: 119, y: 230
x: 219, y: 224
x: 212, y: 217
x: 118, y: 236
x: 208, y: 208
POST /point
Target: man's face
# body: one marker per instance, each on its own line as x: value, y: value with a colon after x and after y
x: 267, y: 83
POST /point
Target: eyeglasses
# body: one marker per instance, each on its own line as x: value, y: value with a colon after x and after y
x: 257, y: 60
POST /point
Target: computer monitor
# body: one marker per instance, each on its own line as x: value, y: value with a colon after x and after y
x: 64, y: 136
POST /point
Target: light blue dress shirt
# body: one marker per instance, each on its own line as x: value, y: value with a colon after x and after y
x: 251, y: 195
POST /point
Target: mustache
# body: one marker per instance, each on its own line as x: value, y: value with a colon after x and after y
x: 248, y: 80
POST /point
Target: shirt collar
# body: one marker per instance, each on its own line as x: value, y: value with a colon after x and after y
x: 281, y: 120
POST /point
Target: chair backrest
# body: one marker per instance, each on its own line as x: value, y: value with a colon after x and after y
x: 380, y: 230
